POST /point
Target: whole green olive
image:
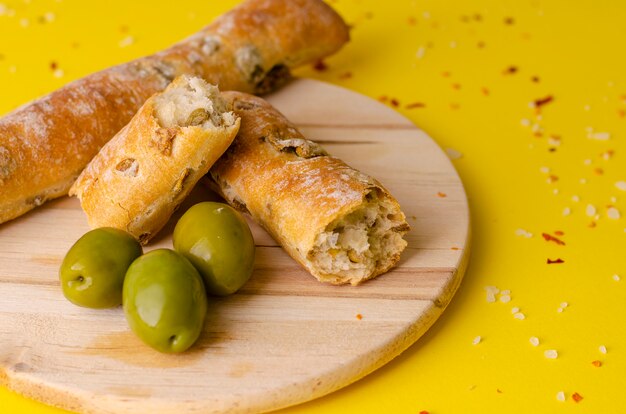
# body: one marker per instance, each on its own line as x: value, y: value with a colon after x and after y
x: 217, y: 240
x: 92, y: 272
x: 164, y: 300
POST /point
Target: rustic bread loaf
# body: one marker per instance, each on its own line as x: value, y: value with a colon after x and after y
x: 340, y: 224
x: 45, y: 144
x: 141, y: 175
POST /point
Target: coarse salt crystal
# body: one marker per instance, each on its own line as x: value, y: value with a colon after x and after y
x: 555, y: 191
x: 583, y: 181
x: 560, y: 396
x: 600, y: 136
x: 520, y: 316
x: 127, y: 41
x: 590, y: 210
x: 58, y: 73
x: 613, y: 199
x: 613, y: 213
x: 514, y: 309
x: 525, y: 122
x: 575, y: 198
x: 492, y: 289
x: 587, y: 162
x: 505, y: 298
x: 505, y: 292
x: 491, y: 298
x: 544, y: 170
x: 523, y: 233
x: 616, y: 278
x: 421, y: 51
x: 534, y: 341
x: 49, y: 17
x: 567, y: 211
x: 602, y: 349
x: 551, y: 354
x: 564, y: 304
x: 476, y: 340
x: 621, y: 185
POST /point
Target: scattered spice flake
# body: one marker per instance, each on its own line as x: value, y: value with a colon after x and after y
x: 560, y: 396
x: 607, y: 155
x: 441, y: 195
x: 551, y: 354
x: 509, y: 21
x: 592, y: 224
x: 597, y: 363
x: 602, y: 349
x: 511, y: 70
x: 613, y: 213
x: 394, y: 102
x: 577, y: 397
x: 345, y: 75
x: 359, y: 316
x: 559, y: 233
x: 535, y: 79
x: 446, y: 74
x: 523, y: 233
x: 621, y: 113
x: 54, y: 66
x: 455, y: 106
x: 456, y: 86
x: 415, y: 105
x: 598, y: 171
x: 534, y: 341
x: 590, y: 210
x: 424, y: 412
x: 549, y: 238
x: 538, y: 103
x: 476, y: 340
x: 481, y: 45
x: 621, y: 185
x: 552, y: 179
x: 525, y: 122
x: 555, y: 261
x: 383, y: 98
x: 484, y: 91
x: 554, y: 140
x: 616, y: 277
x: 454, y: 154
x: 411, y: 20
x: 320, y: 66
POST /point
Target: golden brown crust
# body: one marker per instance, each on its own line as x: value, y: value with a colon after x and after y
x: 290, y: 185
x: 143, y: 173
x: 44, y: 145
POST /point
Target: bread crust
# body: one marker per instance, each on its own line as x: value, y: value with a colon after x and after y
x: 291, y: 186
x: 44, y: 145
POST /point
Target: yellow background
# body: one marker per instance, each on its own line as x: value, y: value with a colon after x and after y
x: 455, y: 58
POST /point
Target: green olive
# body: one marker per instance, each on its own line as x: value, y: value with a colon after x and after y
x: 164, y: 300
x: 217, y: 240
x: 92, y: 272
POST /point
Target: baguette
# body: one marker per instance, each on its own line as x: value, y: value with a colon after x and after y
x: 342, y: 225
x: 45, y: 144
x: 143, y: 173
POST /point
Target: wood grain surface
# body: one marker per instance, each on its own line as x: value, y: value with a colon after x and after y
x: 284, y: 338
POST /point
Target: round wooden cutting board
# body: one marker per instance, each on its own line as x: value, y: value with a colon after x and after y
x: 284, y: 338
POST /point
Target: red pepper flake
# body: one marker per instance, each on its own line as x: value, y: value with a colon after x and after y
x: 509, y: 20
x: 535, y: 79
x: 54, y: 66
x: 485, y: 91
x: 394, y: 102
x: 621, y: 113
x: 543, y: 101
x: 320, y: 66
x: 559, y: 233
x: 359, y: 316
x: 456, y: 86
x: 345, y: 75
x: 553, y: 178
x: 577, y: 397
x: 555, y: 261
x: 596, y: 363
x: 424, y: 412
x: 415, y: 105
x: 511, y: 70
x: 442, y: 195
x: 592, y: 225
x: 547, y: 237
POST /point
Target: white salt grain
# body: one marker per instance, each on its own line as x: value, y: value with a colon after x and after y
x: 534, y: 341
x: 613, y: 213
x: 505, y: 298
x: 583, y: 181
x: 567, y: 211
x: 560, y: 396
x: 523, y: 233
x: 616, y: 278
x: 421, y: 51
x: 602, y: 349
x: 476, y: 340
x: 551, y: 354
x: 491, y: 298
x: 58, y: 73
x: 453, y: 154
x: 505, y: 292
x: 600, y: 136
x: 587, y: 162
x: 127, y: 41
x: 575, y: 198
x: 621, y: 185
x: 514, y: 309
x: 590, y: 210
x: 525, y: 122
x: 544, y: 170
